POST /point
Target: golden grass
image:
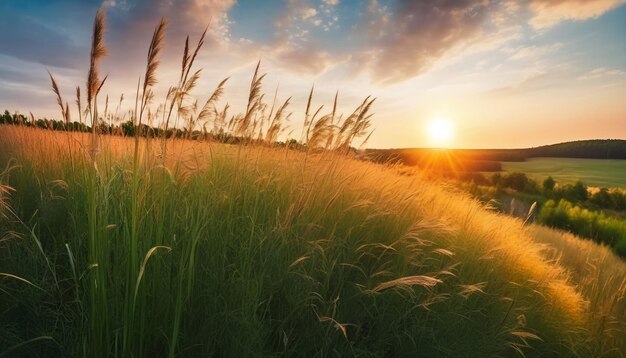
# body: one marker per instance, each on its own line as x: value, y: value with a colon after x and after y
x: 493, y: 254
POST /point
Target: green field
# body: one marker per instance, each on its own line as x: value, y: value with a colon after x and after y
x: 593, y: 172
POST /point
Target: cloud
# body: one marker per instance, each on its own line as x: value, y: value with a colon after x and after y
x: 294, y: 48
x: 541, y: 77
x: 601, y: 72
x: 408, y: 38
x: 535, y: 80
x: 24, y: 38
x: 310, y: 60
x: 184, y: 16
x: 132, y: 23
x: 331, y: 2
x: 404, y: 38
x: 296, y: 13
x: 529, y: 52
x: 547, y: 13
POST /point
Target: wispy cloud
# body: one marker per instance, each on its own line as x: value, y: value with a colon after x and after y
x: 533, y: 51
x: 406, y: 39
x: 602, y: 72
x: 547, y: 13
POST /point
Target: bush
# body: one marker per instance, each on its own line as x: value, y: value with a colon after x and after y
x: 548, y: 184
x: 586, y: 223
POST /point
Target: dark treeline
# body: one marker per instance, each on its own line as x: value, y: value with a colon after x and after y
x: 129, y: 129
x: 488, y: 160
x: 592, y: 149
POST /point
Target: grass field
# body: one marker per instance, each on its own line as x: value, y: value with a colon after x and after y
x: 164, y: 246
x: 593, y: 172
x: 251, y: 250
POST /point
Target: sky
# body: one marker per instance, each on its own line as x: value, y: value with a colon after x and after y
x: 503, y: 74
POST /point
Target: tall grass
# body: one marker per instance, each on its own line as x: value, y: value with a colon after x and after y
x: 196, y: 248
x: 266, y: 255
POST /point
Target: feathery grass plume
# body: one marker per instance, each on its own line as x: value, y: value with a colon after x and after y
x: 307, y: 114
x: 68, y: 119
x: 257, y: 120
x: 363, y: 122
x: 186, y: 84
x: 191, y: 123
x: 176, y: 95
x: 276, y: 127
x: 355, y: 125
x: 101, y: 84
x: 106, y: 106
x: 220, y: 120
x: 79, y: 105
x: 311, y: 121
x: 190, y: 84
x: 32, y: 119
x: 55, y: 89
x: 156, y: 45
x: 5, y: 192
x: 149, y: 80
x: 243, y: 123
x: 117, y: 109
x: 331, y: 134
x: 191, y: 60
x: 320, y: 132
x: 185, y: 59
x: 209, y: 105
x: 269, y: 116
x: 98, y: 51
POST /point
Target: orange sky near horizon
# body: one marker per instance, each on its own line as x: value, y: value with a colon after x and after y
x: 505, y: 74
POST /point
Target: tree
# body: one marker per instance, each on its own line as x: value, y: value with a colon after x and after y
x: 548, y: 184
x: 496, y: 179
x: 574, y: 193
x: 517, y: 181
x: 580, y: 191
x: 602, y: 198
x: 128, y: 128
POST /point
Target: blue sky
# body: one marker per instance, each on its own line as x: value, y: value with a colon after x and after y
x: 504, y: 73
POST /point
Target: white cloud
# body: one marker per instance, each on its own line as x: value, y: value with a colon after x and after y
x: 601, y: 72
x: 547, y: 13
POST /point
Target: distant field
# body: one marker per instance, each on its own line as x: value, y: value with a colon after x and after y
x: 593, y: 172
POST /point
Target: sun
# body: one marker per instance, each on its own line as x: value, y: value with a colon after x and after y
x: 441, y: 130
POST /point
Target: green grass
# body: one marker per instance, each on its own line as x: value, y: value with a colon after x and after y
x: 593, y: 172
x: 116, y: 247
x: 249, y: 250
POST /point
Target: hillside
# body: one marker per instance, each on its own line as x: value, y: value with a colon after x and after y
x: 474, y: 160
x: 241, y: 250
x: 589, y: 149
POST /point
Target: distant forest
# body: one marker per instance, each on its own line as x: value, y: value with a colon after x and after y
x: 471, y: 160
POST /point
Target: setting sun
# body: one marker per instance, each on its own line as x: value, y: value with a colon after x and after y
x: 440, y: 130
x: 312, y: 177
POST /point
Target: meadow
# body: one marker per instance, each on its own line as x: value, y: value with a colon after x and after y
x: 153, y: 245
x: 253, y: 250
x: 609, y: 173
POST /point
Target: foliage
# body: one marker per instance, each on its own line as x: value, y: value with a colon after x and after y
x: 548, y: 184
x: 586, y: 223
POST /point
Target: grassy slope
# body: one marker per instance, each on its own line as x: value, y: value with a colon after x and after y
x: 249, y: 250
x: 593, y: 172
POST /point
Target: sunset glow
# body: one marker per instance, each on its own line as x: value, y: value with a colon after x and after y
x: 441, y: 131
x: 518, y: 74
